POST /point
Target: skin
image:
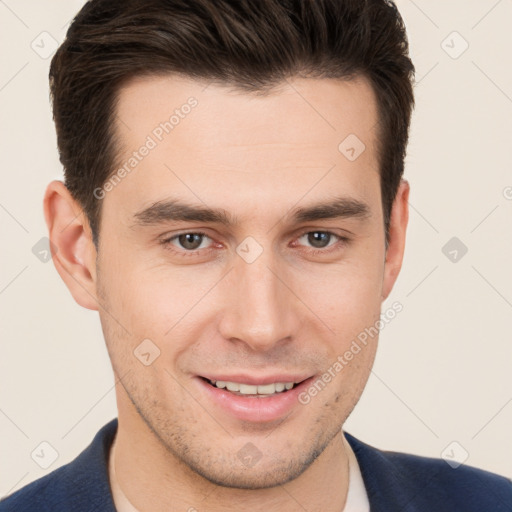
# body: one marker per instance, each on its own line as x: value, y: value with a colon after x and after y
x: 291, y: 310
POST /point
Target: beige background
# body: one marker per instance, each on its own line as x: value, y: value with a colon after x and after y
x: 442, y: 372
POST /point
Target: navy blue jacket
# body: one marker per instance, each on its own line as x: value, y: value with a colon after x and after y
x: 395, y: 482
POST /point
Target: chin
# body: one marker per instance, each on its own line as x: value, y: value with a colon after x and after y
x: 250, y: 479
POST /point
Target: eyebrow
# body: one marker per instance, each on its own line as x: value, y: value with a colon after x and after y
x: 176, y: 210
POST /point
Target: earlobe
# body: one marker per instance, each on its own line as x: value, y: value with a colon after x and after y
x: 397, y: 234
x: 74, y: 253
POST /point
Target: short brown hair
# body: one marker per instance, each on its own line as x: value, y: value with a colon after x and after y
x: 251, y: 45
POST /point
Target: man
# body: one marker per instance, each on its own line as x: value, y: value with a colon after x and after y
x: 235, y: 211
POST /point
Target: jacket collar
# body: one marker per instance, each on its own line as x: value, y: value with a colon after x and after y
x: 390, y: 484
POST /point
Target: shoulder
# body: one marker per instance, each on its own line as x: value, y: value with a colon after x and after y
x: 416, y: 482
x: 81, y: 484
x: 50, y: 492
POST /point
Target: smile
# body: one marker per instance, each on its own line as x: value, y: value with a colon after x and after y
x: 254, y: 402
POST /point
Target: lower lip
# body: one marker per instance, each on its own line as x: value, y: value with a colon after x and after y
x: 259, y: 408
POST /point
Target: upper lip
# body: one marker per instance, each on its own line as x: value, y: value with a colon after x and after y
x: 258, y: 380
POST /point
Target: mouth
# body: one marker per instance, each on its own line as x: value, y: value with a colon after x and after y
x: 254, y: 400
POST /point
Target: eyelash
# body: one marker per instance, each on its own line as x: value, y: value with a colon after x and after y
x: 342, y: 241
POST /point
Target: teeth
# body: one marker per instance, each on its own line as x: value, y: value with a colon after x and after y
x: 267, y: 389
x: 233, y: 386
x: 249, y: 389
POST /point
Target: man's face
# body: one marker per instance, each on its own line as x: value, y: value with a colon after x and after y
x: 267, y: 295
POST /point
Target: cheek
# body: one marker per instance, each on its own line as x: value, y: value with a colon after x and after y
x: 145, y: 295
x: 346, y: 296
x: 160, y: 304
x: 159, y: 298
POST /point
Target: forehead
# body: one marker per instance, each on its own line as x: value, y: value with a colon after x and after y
x: 295, y: 109
x: 209, y: 139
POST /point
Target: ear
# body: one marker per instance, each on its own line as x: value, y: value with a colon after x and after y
x: 73, y: 251
x: 397, y: 228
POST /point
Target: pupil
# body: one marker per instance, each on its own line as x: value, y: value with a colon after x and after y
x: 187, y: 240
x: 317, y: 236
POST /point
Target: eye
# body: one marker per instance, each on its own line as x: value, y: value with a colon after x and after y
x: 190, y: 241
x: 321, y: 240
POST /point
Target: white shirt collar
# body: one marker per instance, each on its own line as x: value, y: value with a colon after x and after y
x: 357, y: 498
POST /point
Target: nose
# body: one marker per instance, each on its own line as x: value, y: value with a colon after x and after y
x: 261, y: 311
